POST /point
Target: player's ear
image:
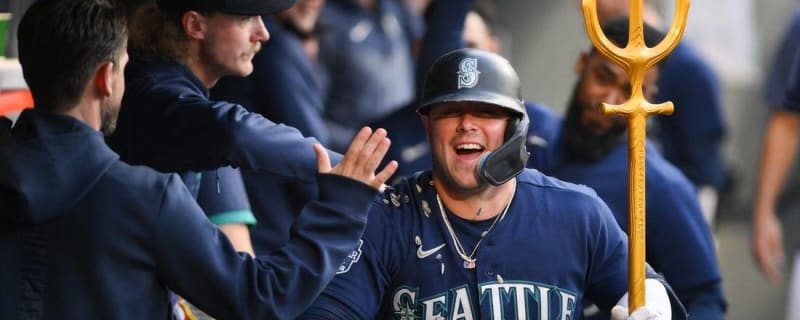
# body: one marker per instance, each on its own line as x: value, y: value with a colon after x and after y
x: 194, y: 24
x: 102, y: 80
x: 583, y: 60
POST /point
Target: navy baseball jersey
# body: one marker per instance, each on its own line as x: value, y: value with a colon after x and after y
x: 679, y: 244
x: 556, y: 244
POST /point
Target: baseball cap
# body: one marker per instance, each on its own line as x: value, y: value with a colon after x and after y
x: 237, y: 7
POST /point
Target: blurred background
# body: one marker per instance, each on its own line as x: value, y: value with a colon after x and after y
x: 739, y: 38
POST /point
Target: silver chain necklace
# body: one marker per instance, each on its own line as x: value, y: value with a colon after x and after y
x: 469, y: 260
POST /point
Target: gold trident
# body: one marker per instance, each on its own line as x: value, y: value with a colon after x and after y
x: 636, y: 58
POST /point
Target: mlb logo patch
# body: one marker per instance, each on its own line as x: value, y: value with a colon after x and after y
x: 352, y: 258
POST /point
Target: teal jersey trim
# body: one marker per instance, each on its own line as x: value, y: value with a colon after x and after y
x: 231, y: 217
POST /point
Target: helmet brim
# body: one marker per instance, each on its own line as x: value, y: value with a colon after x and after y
x: 499, y: 100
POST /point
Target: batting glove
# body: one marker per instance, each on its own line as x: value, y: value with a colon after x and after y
x: 657, y: 305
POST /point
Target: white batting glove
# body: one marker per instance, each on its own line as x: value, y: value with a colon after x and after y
x: 656, y: 305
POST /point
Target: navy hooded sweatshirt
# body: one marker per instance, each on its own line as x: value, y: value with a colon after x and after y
x: 86, y: 236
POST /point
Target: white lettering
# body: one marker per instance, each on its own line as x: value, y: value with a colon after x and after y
x: 543, y: 299
x: 435, y: 308
x: 494, y: 292
x: 567, y: 305
x: 462, y: 308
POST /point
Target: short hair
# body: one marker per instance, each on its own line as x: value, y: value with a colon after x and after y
x: 61, y: 44
x: 616, y: 30
x: 157, y: 35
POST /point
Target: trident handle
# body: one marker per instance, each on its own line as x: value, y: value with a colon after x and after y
x: 635, y: 58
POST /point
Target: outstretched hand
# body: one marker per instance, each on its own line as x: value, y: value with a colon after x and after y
x: 361, y: 159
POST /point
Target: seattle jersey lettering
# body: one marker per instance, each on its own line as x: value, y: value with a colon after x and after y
x: 507, y: 300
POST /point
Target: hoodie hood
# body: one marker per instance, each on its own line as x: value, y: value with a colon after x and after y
x: 49, y: 165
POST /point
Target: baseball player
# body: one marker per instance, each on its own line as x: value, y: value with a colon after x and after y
x: 87, y: 236
x: 284, y: 88
x: 595, y: 154
x: 179, y: 50
x: 455, y: 24
x: 479, y: 236
x: 778, y: 153
x: 691, y: 137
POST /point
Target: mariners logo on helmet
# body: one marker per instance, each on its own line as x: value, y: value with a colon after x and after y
x: 468, y: 73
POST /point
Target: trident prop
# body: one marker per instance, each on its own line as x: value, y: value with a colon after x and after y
x: 635, y: 59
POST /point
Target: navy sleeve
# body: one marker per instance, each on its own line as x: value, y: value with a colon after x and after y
x: 778, y: 77
x: 197, y: 261
x: 188, y: 132
x: 791, y: 101
x: 693, y: 274
x: 608, y: 269
x: 223, y: 197
x: 357, y: 292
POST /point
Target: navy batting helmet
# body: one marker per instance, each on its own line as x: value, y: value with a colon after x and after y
x: 480, y: 76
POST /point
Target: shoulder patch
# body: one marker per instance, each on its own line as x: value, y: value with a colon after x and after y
x: 352, y: 258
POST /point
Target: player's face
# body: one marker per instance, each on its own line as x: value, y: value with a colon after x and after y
x: 229, y: 44
x: 460, y: 134
x: 110, y: 110
x: 603, y: 81
x: 587, y: 133
x: 304, y: 14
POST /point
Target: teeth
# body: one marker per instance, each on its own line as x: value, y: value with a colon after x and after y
x: 468, y: 146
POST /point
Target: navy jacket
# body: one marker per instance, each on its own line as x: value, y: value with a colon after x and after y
x: 86, y: 236
x: 679, y: 243
x: 691, y: 138
x: 282, y: 88
x: 167, y: 122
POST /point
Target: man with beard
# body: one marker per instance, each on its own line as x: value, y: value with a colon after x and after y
x: 679, y: 243
x: 479, y: 236
x: 87, y: 236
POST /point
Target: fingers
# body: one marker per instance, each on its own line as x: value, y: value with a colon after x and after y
x: 768, y: 247
x: 769, y: 258
x: 364, y: 156
x: 323, y: 162
x: 385, y: 174
x: 353, y: 151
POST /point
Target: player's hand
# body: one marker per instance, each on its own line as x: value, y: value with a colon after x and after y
x: 656, y: 304
x: 361, y: 159
x: 768, y: 245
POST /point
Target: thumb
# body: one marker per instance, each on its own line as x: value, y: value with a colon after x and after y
x: 323, y: 162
